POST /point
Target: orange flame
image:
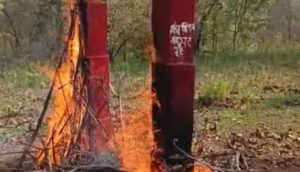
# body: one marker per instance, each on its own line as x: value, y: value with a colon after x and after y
x: 134, y: 138
x: 59, y: 129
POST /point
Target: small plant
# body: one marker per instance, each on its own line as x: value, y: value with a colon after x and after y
x: 219, y: 90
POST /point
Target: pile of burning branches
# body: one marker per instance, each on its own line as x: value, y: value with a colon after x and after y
x: 68, y: 127
x: 68, y: 143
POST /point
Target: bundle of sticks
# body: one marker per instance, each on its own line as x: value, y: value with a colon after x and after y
x: 68, y: 130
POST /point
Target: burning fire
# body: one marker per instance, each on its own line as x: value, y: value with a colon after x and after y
x: 66, y: 125
x: 66, y: 118
x: 134, y: 138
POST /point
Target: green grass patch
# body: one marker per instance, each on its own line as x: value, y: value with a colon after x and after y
x: 247, y: 121
x: 219, y: 90
x: 22, y: 77
x: 268, y: 81
x: 130, y: 76
x: 132, y: 66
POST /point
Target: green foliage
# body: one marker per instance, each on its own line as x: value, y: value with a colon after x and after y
x: 1, y: 5
x: 218, y: 90
x: 22, y: 77
x: 233, y: 24
x: 33, y: 30
x: 30, y: 30
x: 129, y: 28
x: 131, y: 66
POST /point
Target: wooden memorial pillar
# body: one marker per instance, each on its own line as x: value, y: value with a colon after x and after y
x: 98, y: 64
x: 173, y: 77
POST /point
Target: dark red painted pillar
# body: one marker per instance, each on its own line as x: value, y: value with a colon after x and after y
x: 173, y: 78
x: 98, y: 61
